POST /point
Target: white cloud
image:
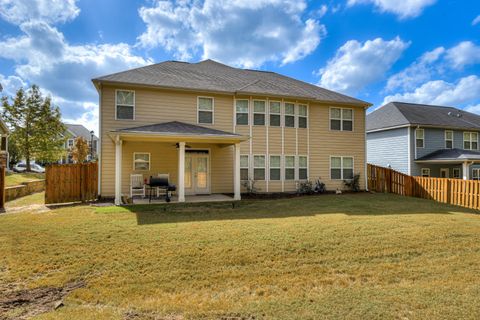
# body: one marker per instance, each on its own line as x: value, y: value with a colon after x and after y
x: 440, y: 92
x: 242, y: 33
x: 11, y: 84
x: 51, y: 11
x: 465, y: 53
x: 473, y: 109
x: 88, y: 118
x: 476, y: 21
x: 402, y: 8
x: 356, y: 65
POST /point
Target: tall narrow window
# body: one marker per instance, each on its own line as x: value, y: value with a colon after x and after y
x: 242, y: 112
x: 341, y: 119
x: 289, y: 167
x: 302, y: 116
x: 347, y: 168
x: 470, y: 140
x: 125, y: 105
x: 425, y: 172
x: 289, y: 115
x: 205, y: 110
x: 244, y: 165
x: 476, y: 174
x: 448, y: 139
x: 420, y: 138
x: 259, y: 167
x: 341, y: 168
x: 456, y: 173
x: 141, y: 161
x: 274, y: 167
x: 259, y: 113
x: 302, y: 168
x: 347, y: 119
x: 274, y: 114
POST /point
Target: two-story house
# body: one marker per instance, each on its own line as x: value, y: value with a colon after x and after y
x: 424, y: 140
x: 73, y: 131
x: 211, y: 126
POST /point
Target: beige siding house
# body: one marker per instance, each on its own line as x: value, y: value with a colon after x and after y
x: 211, y: 127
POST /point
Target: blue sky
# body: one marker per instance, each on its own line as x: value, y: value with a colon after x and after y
x: 424, y: 51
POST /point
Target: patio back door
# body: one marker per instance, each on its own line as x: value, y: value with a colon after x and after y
x: 197, y: 172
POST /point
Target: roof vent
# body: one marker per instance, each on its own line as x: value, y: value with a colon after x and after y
x: 449, y: 113
x: 459, y: 115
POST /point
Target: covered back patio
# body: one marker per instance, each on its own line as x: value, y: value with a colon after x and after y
x: 451, y: 163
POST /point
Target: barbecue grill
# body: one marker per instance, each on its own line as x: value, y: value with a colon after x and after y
x: 161, y: 183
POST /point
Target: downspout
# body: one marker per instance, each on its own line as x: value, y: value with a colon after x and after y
x: 99, y: 142
x: 409, y: 154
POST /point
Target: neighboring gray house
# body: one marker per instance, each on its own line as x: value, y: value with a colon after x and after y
x: 424, y: 140
x: 77, y: 130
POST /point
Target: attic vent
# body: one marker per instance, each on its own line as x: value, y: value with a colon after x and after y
x: 449, y: 113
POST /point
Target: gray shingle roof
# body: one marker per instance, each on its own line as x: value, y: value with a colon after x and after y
x: 79, y: 130
x: 451, y: 155
x: 180, y: 128
x: 209, y: 75
x: 396, y: 114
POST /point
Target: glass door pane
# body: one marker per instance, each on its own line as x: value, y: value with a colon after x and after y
x: 188, y: 172
x: 202, y: 173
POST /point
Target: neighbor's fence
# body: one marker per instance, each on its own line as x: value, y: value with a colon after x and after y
x: 465, y: 193
x: 71, y: 182
x: 2, y: 188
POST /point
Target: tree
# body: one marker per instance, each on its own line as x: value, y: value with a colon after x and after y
x: 36, y: 125
x: 80, y: 150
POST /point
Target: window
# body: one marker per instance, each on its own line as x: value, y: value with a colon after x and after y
x: 274, y: 167
x: 289, y: 115
x: 425, y: 172
x: 456, y: 173
x: 259, y: 113
x: 70, y: 143
x: 259, y: 167
x: 4, y: 144
x: 125, y: 101
x: 244, y: 164
x: 274, y: 114
x: 302, y: 116
x: 420, y: 138
x: 242, y: 112
x: 476, y: 174
x: 448, y: 139
x: 289, y: 167
x: 141, y: 161
x: 302, y: 168
x: 205, y: 110
x: 470, y: 140
x: 341, y: 119
x: 341, y: 168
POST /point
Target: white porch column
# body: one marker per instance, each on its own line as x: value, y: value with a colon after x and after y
x: 118, y: 171
x: 466, y: 170
x: 181, y: 172
x: 236, y: 173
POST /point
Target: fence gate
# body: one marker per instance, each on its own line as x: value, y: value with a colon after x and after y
x: 71, y: 182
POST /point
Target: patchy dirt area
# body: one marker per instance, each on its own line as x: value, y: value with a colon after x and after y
x: 24, y: 304
x: 34, y: 208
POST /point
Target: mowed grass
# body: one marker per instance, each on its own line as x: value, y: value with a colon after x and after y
x: 14, y: 179
x: 359, y: 256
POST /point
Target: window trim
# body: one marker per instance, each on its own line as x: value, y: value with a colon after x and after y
x: 478, y: 173
x: 341, y: 119
x: 68, y: 143
x: 423, y: 139
x: 341, y: 167
x: 285, y: 167
x: 446, y: 140
x: 275, y: 113
x: 247, y: 167
x: 459, y: 173
x: 294, y: 115
x: 134, y: 104
x: 299, y: 116
x: 307, y: 167
x: 149, y: 160
x: 264, y: 113
x: 198, y: 109
x: 470, y: 139
x: 264, y: 166
x: 429, y: 173
x: 248, y: 112
x: 270, y: 166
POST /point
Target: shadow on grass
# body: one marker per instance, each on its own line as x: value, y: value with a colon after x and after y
x: 349, y: 204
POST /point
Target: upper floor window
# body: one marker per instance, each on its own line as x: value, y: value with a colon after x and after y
x: 341, y: 119
x: 259, y: 112
x: 448, y: 139
x: 289, y: 115
x: 141, y: 161
x: 302, y: 116
x: 70, y: 143
x: 241, y: 108
x: 274, y: 114
x: 419, y: 138
x: 341, y: 168
x: 244, y: 165
x: 205, y: 110
x: 274, y: 167
x: 470, y: 140
x: 125, y: 105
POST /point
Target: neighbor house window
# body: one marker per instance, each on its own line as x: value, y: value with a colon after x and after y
x: 259, y: 113
x: 242, y: 112
x: 4, y: 143
x: 425, y: 172
x: 205, y: 110
x: 448, y: 139
x: 341, y: 119
x: 289, y: 115
x: 476, y: 174
x: 420, y: 138
x: 141, y: 161
x: 456, y: 173
x: 341, y: 168
x: 70, y: 143
x: 125, y: 105
x: 275, y: 113
x: 289, y: 167
x: 244, y: 164
x: 302, y: 116
x: 274, y: 167
x: 302, y: 168
x: 470, y: 140
x: 259, y: 167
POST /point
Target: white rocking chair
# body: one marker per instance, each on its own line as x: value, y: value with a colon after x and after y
x: 137, y: 186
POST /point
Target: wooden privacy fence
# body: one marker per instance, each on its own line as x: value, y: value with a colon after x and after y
x: 464, y: 193
x: 71, y: 182
x: 2, y: 188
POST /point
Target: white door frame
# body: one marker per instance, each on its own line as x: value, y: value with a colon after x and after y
x: 447, y: 170
x: 192, y: 191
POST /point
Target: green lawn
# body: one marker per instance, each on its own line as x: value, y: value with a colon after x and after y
x: 360, y: 256
x: 14, y: 179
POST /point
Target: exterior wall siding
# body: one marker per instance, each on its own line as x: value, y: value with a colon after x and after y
x: 389, y: 148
